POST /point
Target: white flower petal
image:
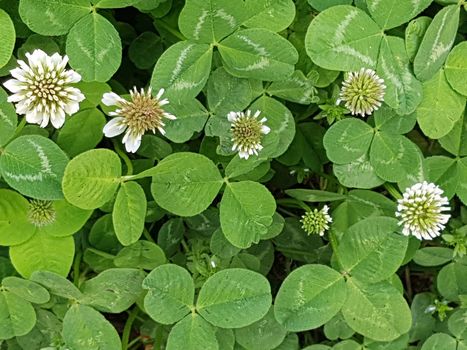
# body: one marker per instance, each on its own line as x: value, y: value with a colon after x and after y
x: 14, y: 85
x: 22, y: 107
x: 26, y: 71
x: 71, y: 108
x: 111, y: 99
x: 73, y: 77
x: 16, y: 97
x: 161, y: 130
x: 114, y: 127
x: 33, y: 117
x: 243, y: 154
x: 170, y: 116
x: 57, y: 119
x: 164, y: 102
x: 265, y: 129
x: 21, y: 73
x: 132, y: 142
x: 231, y: 117
x: 159, y: 94
x: 75, y: 95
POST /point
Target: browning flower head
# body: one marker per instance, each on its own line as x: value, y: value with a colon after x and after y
x: 142, y: 113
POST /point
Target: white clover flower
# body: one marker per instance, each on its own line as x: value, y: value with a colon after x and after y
x: 421, y: 211
x: 362, y: 92
x: 247, y: 131
x: 42, y: 89
x: 142, y: 113
x: 316, y: 221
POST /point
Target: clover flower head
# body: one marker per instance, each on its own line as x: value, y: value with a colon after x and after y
x: 142, y: 113
x: 41, y: 212
x: 316, y: 221
x: 362, y: 92
x: 43, y: 89
x: 247, y: 131
x: 421, y: 211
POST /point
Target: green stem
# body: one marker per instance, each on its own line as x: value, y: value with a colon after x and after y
x: 158, y: 339
x: 124, y: 156
x: 408, y: 283
x: 185, y: 246
x: 323, y: 183
x: 392, y: 191
x: 84, y: 273
x: 326, y: 176
x: 171, y: 30
x: 133, y: 342
x: 128, y: 326
x: 147, y: 235
x: 139, y: 318
x: 341, y: 190
x: 303, y: 205
x: 76, y: 265
x: 285, y: 211
x: 294, y: 203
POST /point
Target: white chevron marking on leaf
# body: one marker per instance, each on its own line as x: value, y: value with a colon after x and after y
x: 45, y: 164
x: 389, y: 73
x: 50, y: 14
x: 439, y: 48
x: 85, y: 49
x: 225, y: 16
x: 179, y: 63
x: 258, y: 48
x: 352, y: 52
x: 200, y: 23
x: 262, y: 63
x: 4, y: 117
x: 46, y: 168
x: 341, y: 28
x: 373, y: 4
x: 184, y: 85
